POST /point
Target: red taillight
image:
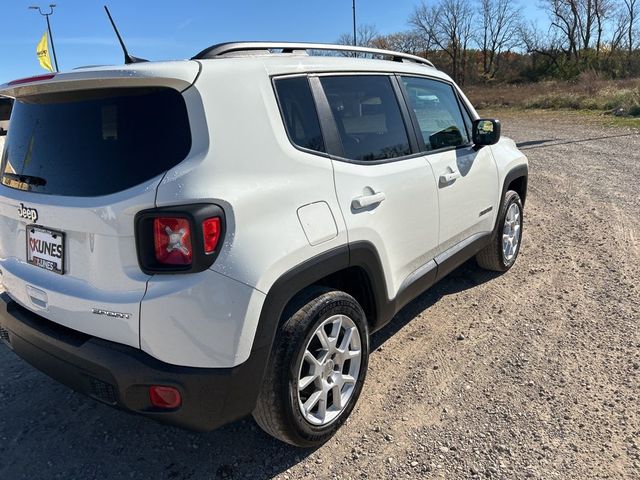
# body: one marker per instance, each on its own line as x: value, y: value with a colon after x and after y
x: 172, y: 241
x: 164, y: 397
x: 211, y: 233
x: 37, y: 78
x: 181, y: 239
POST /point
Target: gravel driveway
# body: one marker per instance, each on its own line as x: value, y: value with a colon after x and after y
x: 534, y: 374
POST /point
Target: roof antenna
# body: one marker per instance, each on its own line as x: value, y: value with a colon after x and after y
x: 127, y: 58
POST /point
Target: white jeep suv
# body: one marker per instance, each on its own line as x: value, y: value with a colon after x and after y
x: 199, y: 240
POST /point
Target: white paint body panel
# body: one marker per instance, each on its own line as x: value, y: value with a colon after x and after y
x: 199, y: 320
x: 318, y: 223
x: 260, y: 180
x: 177, y: 75
x: 404, y: 227
x: 463, y: 199
x: 507, y: 157
x: 254, y: 173
x: 282, y: 207
x: 101, y: 264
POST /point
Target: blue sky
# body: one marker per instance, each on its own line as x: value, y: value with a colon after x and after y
x: 178, y: 29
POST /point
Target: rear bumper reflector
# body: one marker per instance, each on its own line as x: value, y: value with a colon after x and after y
x: 198, y: 399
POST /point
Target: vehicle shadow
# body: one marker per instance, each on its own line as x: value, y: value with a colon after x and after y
x: 62, y: 434
x: 533, y: 144
x: 466, y: 276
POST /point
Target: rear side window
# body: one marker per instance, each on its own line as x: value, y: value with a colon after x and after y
x: 299, y: 113
x: 94, y: 142
x: 367, y: 114
x: 438, y: 113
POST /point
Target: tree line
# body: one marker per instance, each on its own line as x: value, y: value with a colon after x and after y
x: 492, y: 41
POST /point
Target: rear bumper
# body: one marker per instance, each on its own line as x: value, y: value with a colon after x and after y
x: 119, y: 375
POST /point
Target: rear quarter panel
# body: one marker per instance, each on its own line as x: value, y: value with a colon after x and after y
x: 247, y: 165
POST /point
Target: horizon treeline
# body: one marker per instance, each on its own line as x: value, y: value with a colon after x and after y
x: 492, y: 41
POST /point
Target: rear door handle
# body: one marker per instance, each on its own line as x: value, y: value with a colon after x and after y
x: 449, y: 177
x: 365, y: 201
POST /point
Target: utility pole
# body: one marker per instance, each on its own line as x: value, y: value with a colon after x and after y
x: 47, y: 15
x: 355, y: 39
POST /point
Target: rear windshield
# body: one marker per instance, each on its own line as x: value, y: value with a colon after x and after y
x: 94, y: 142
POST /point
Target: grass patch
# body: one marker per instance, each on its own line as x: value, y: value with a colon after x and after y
x: 574, y: 116
x: 618, y: 98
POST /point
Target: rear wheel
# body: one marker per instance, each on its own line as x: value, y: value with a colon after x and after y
x: 501, y: 253
x: 316, y: 371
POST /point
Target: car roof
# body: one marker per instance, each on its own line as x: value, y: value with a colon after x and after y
x: 182, y: 73
x: 290, y: 64
x: 290, y: 57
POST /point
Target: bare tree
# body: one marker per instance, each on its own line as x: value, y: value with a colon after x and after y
x: 544, y: 45
x: 448, y: 26
x: 498, y: 32
x: 604, y: 11
x: 585, y: 13
x: 407, y: 42
x: 564, y: 19
x: 632, y: 10
x: 584, y: 23
x: 366, y: 37
x: 618, y: 28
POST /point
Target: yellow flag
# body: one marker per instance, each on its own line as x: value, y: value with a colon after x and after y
x: 43, y: 53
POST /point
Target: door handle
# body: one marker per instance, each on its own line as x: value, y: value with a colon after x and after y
x: 365, y: 201
x: 449, y: 177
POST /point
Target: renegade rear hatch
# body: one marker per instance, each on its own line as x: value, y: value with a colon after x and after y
x: 85, y: 152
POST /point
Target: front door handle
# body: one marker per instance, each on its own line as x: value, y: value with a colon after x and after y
x: 365, y: 201
x: 449, y: 177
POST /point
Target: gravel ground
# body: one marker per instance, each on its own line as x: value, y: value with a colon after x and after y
x: 533, y: 374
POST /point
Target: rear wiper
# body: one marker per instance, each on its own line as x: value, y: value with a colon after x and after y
x: 28, y: 179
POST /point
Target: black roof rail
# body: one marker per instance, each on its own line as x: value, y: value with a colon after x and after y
x: 221, y: 49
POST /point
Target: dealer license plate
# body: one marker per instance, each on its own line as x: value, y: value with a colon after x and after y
x: 45, y: 248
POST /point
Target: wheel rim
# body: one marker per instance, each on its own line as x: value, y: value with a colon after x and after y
x: 329, y: 370
x: 511, y: 233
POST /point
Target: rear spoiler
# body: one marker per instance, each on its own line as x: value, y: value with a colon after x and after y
x: 178, y: 75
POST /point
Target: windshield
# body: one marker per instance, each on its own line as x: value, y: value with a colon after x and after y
x: 94, y: 142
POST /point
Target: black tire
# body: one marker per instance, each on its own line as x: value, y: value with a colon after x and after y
x: 277, y: 410
x: 492, y: 256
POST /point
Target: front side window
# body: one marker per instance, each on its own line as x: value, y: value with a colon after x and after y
x: 436, y: 107
x: 367, y: 114
x: 299, y: 113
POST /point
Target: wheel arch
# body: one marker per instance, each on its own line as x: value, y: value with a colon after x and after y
x: 516, y: 179
x: 518, y: 184
x: 355, y: 269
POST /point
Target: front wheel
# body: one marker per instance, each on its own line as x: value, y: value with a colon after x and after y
x: 501, y: 253
x: 316, y: 371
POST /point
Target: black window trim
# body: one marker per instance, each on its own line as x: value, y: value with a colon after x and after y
x: 330, y: 134
x: 274, y: 80
x: 406, y: 115
x: 414, y: 119
x: 333, y: 143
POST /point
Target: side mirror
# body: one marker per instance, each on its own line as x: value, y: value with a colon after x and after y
x: 486, y: 132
